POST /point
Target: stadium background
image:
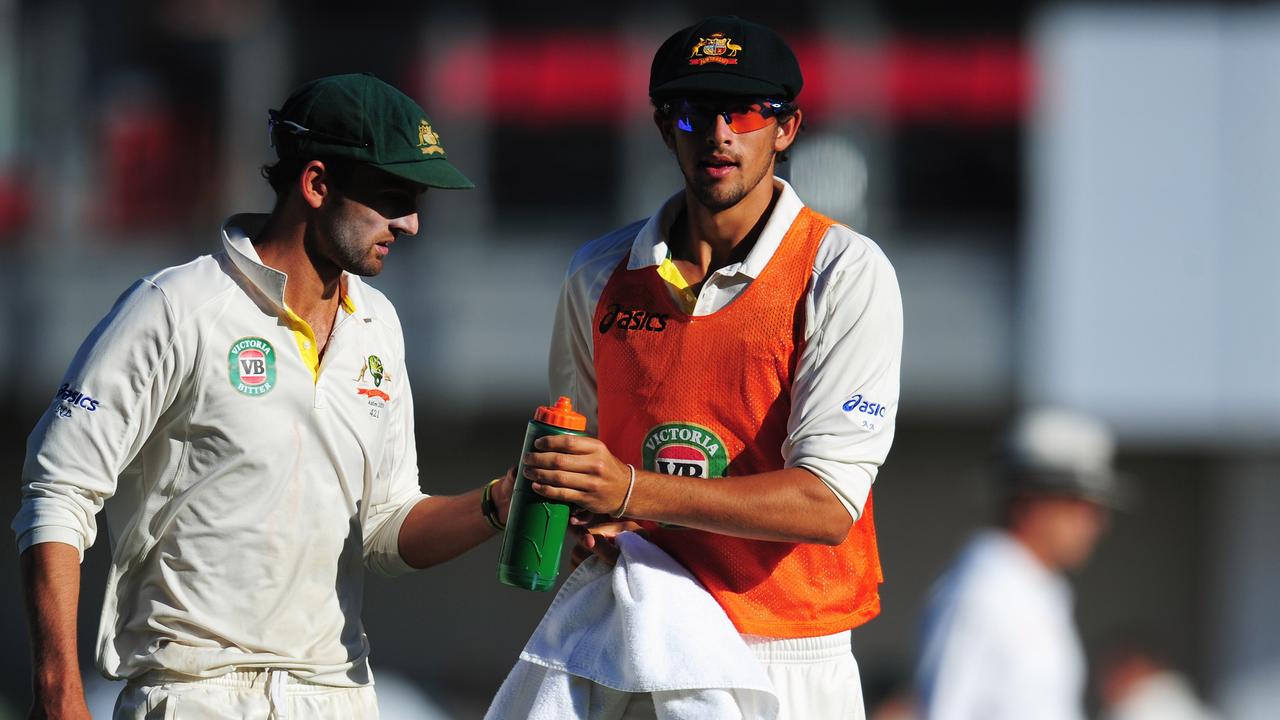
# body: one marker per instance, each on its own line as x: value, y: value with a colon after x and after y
x: 1080, y: 202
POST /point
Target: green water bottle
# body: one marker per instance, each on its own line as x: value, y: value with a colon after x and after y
x: 536, y: 525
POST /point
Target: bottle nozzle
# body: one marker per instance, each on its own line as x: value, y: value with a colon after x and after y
x: 561, y: 415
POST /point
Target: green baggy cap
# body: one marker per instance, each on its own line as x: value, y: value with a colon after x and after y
x: 359, y: 117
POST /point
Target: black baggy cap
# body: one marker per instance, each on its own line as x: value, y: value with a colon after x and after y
x: 725, y: 55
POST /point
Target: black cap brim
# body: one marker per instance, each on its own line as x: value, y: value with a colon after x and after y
x: 718, y: 83
x: 435, y: 172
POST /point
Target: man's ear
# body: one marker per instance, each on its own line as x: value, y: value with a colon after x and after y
x: 315, y: 184
x: 786, y: 132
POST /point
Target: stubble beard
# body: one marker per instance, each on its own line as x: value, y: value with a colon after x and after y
x: 349, y: 250
x: 718, y: 196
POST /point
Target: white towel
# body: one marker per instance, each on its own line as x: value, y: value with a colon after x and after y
x: 644, y: 625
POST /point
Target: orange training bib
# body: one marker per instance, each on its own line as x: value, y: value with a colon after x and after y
x: 709, y: 396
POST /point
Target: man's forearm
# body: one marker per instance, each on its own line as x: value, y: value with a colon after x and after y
x: 51, y: 582
x: 442, y: 527
x: 790, y: 505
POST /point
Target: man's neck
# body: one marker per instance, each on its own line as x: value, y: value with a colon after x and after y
x: 314, y: 285
x: 705, y: 240
x: 1037, y: 548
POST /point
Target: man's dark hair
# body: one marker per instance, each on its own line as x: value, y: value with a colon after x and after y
x: 281, y: 174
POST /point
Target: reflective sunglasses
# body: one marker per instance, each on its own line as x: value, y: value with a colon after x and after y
x: 276, y: 124
x: 695, y: 116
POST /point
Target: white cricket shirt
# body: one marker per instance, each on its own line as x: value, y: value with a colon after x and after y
x: 245, y: 486
x: 999, y: 640
x: 844, y: 398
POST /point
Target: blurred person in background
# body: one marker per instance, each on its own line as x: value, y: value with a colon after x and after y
x: 1134, y: 683
x: 999, y: 639
x: 738, y: 355
x: 247, y: 421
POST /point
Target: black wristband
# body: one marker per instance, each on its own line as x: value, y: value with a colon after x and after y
x: 489, y: 508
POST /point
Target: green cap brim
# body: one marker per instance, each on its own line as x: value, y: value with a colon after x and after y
x: 434, y: 172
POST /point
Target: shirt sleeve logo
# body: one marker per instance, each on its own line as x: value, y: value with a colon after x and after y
x: 70, y: 398
x: 866, y: 413
x: 251, y: 366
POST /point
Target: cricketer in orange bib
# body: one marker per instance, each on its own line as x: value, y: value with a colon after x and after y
x: 767, y: 588
x: 737, y: 356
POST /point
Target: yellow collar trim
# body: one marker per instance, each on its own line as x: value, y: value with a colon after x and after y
x: 305, y: 336
x: 668, y: 271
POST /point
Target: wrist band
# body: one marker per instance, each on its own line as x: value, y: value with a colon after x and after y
x: 489, y: 508
x: 626, y: 499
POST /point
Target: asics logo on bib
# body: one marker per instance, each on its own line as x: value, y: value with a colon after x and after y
x: 615, y: 316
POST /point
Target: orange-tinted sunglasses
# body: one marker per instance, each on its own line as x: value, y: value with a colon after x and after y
x: 743, y: 117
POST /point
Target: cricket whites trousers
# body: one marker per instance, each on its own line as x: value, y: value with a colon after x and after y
x: 253, y: 694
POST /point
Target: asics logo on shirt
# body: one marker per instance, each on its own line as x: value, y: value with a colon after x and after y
x: 858, y: 404
x: 75, y: 398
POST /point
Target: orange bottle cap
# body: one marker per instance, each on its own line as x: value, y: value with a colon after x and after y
x: 561, y: 416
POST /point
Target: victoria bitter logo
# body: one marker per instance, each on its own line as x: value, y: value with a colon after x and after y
x: 251, y: 366
x: 684, y: 450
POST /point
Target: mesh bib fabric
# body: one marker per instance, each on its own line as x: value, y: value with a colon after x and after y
x: 709, y: 396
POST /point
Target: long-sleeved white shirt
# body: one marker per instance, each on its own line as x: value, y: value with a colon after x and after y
x: 999, y: 640
x: 245, y: 487
x: 844, y: 398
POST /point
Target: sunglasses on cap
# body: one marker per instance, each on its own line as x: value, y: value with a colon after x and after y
x: 741, y: 117
x: 277, y: 124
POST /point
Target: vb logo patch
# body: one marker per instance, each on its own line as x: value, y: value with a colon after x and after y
x: 251, y: 366
x: 684, y: 450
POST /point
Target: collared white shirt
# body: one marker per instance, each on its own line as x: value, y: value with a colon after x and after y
x: 247, y: 489
x: 999, y: 640
x: 844, y: 398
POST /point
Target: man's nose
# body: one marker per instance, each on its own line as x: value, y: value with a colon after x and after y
x: 406, y: 224
x: 722, y: 132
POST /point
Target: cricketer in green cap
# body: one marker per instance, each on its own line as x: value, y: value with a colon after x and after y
x: 359, y: 117
x: 268, y: 380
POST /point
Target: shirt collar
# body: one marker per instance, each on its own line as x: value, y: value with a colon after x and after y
x: 650, y: 246
x: 237, y: 234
